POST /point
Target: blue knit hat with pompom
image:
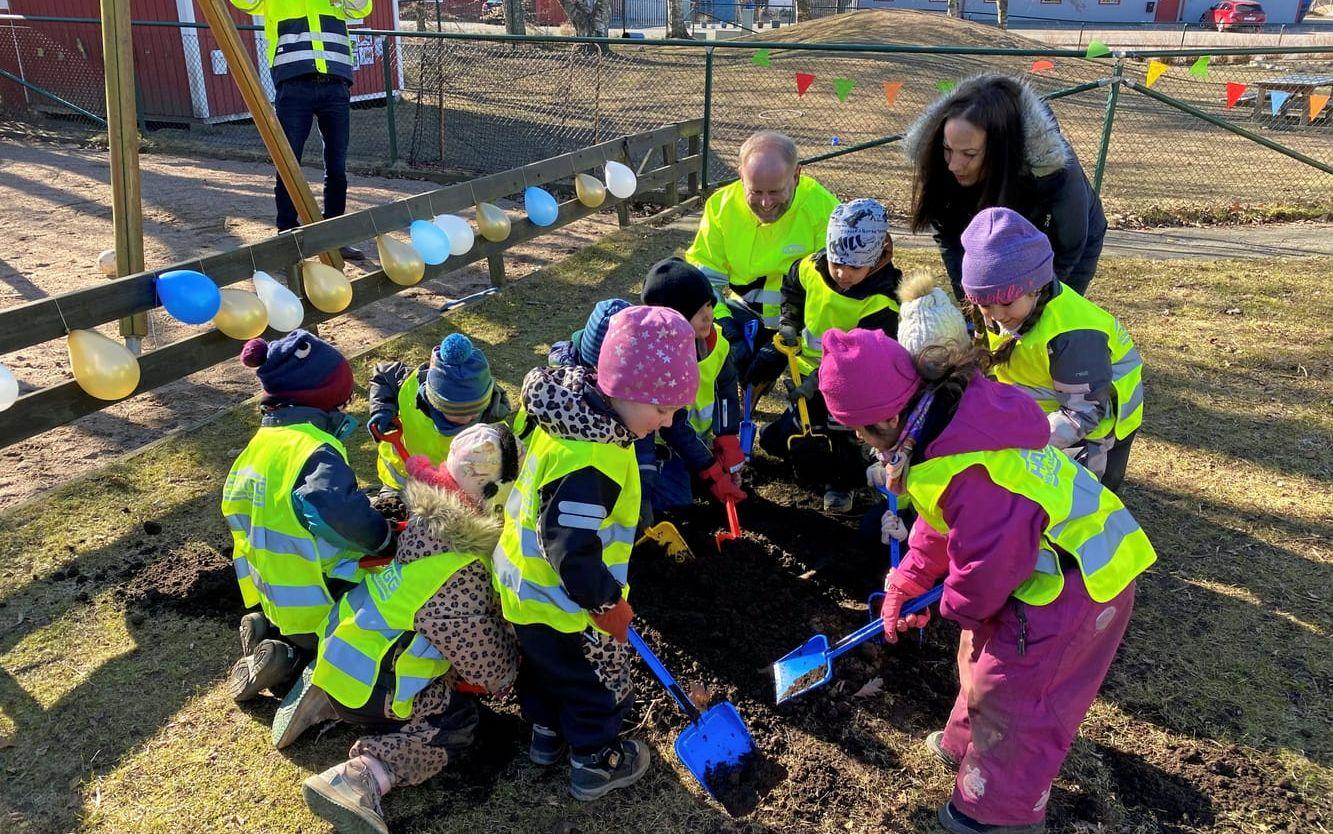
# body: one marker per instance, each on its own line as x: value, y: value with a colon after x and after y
x: 458, y: 381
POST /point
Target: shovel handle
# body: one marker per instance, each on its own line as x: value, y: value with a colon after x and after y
x: 791, y: 351
x: 394, y: 438
x: 895, y: 546
x: 732, y: 521
x: 875, y: 627
x: 663, y: 676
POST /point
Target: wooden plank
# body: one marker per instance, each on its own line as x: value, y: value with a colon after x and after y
x: 669, y: 158
x: 692, y: 148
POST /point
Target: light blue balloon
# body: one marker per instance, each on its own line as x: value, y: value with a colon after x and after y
x: 540, y: 206
x: 430, y: 241
x: 189, y: 296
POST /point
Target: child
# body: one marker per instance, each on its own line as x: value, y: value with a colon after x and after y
x: 298, y: 522
x: 433, y: 403
x: 715, y: 414
x: 1070, y: 355
x: 1038, y: 562
x: 404, y: 652
x: 849, y: 284
x: 584, y: 345
x: 562, y: 563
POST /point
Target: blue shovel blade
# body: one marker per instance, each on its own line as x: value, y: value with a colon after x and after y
x: 803, y: 669
x: 747, y: 437
x: 719, y: 738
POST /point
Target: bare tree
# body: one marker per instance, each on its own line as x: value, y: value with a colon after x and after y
x: 1002, y: 13
x: 803, y: 10
x: 590, y: 18
x: 676, y: 19
x: 956, y: 8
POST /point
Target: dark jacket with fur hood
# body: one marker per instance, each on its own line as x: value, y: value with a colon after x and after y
x: 1060, y: 200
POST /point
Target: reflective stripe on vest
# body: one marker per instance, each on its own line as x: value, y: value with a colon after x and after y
x: 280, y: 565
x: 1084, y: 519
x: 1029, y: 366
x: 826, y: 309
x: 420, y: 436
x: 309, y: 36
x: 700, y: 412
x: 530, y: 588
x: 374, y: 617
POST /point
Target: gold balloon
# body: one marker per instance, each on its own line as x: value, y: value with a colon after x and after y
x: 492, y: 222
x: 400, y: 261
x: 590, y: 190
x: 242, y: 315
x: 327, y: 288
x: 104, y: 368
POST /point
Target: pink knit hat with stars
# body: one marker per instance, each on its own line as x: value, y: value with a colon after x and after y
x: 648, y: 357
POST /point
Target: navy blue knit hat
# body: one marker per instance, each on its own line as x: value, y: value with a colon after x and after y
x: 590, y: 343
x: 301, y: 369
x: 458, y: 381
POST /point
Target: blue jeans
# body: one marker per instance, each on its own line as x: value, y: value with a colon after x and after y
x: 301, y: 102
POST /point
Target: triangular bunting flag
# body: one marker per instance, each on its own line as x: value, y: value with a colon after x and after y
x: 1277, y: 99
x: 1234, y: 92
x: 891, y: 91
x: 843, y: 87
x: 1317, y: 103
x: 1042, y: 66
x: 760, y: 58
x: 1199, y: 69
x: 946, y: 86
x: 803, y: 82
x: 1155, y: 70
x: 1097, y: 49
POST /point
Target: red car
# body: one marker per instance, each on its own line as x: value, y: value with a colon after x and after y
x: 1234, y: 15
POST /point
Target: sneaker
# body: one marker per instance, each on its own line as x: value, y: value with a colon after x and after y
x: 837, y: 501
x: 254, y: 629
x: 347, y: 796
x: 272, y: 663
x: 351, y: 253
x: 933, y: 745
x: 956, y: 822
x: 615, y: 766
x: 305, y: 706
x: 547, y: 748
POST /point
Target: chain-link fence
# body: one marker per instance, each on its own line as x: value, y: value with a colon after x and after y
x: 472, y: 105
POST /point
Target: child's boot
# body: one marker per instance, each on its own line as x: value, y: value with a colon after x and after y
x: 347, y: 795
x: 548, y: 746
x: 956, y: 822
x: 615, y: 766
x: 272, y: 663
x: 254, y: 628
x: 305, y: 706
x: 933, y: 745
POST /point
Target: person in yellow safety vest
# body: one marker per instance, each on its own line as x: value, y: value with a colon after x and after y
x: 849, y: 283
x: 1068, y: 354
x: 751, y: 232
x: 562, y: 564
x: 312, y: 64
x: 432, y: 403
x: 1038, y: 562
x: 405, y: 653
x: 298, y: 522
x: 703, y: 439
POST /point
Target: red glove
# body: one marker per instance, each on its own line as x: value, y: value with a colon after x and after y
x: 727, y: 449
x: 615, y: 620
x: 897, y: 591
x: 721, y: 484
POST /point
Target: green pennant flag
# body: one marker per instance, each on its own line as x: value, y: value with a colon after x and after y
x: 946, y: 86
x: 760, y: 58
x: 1097, y: 49
x: 843, y: 87
x: 1199, y: 69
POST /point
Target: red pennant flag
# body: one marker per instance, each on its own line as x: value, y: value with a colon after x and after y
x: 1042, y: 66
x: 891, y: 91
x: 803, y: 82
x: 1234, y: 92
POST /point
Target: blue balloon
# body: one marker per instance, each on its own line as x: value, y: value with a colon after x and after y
x: 430, y: 241
x: 189, y: 296
x: 540, y: 206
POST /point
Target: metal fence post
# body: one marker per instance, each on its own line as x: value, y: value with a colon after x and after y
x: 390, y: 114
x: 708, y: 111
x: 1117, y: 77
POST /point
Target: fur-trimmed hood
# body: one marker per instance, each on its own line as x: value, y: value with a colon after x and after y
x: 441, y: 520
x: 1046, y: 150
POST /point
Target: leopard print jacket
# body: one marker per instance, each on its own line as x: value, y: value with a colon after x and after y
x: 565, y: 402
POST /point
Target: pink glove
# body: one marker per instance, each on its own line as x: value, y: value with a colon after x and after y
x: 898, y: 590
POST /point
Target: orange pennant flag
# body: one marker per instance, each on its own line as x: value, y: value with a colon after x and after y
x: 891, y: 91
x: 1234, y: 92
x: 1155, y: 70
x: 1317, y: 103
x: 1042, y: 66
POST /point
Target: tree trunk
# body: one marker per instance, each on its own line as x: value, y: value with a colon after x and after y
x: 956, y: 8
x: 802, y: 11
x: 514, y: 14
x: 590, y: 18
x: 676, y: 19
x: 1002, y: 13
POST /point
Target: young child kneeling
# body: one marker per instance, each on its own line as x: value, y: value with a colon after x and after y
x: 406, y: 651
x: 562, y: 565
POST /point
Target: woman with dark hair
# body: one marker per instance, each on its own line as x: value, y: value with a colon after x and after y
x: 991, y: 143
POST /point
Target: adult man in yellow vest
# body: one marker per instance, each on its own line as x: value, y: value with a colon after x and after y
x: 751, y: 232
x: 311, y: 62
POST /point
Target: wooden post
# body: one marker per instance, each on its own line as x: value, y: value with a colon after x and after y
x: 247, y: 81
x: 495, y: 265
x: 669, y: 157
x: 123, y: 140
x: 692, y: 148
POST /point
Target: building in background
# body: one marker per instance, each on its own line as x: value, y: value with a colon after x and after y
x: 1095, y: 11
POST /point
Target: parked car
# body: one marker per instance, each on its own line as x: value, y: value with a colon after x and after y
x: 1234, y: 15
x: 492, y: 11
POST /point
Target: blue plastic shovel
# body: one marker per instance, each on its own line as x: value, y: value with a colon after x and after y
x: 811, y: 666
x: 717, y: 737
x: 751, y: 330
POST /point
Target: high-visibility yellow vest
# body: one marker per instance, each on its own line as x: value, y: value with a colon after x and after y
x: 700, y: 412
x: 420, y: 436
x: 826, y: 309
x: 530, y: 588
x: 1084, y: 519
x: 281, y: 565
x: 731, y: 242
x: 307, y: 36
x: 374, y: 617
x: 1029, y: 366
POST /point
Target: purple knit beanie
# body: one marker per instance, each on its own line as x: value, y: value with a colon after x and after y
x: 866, y: 377
x: 648, y: 356
x: 1004, y: 257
